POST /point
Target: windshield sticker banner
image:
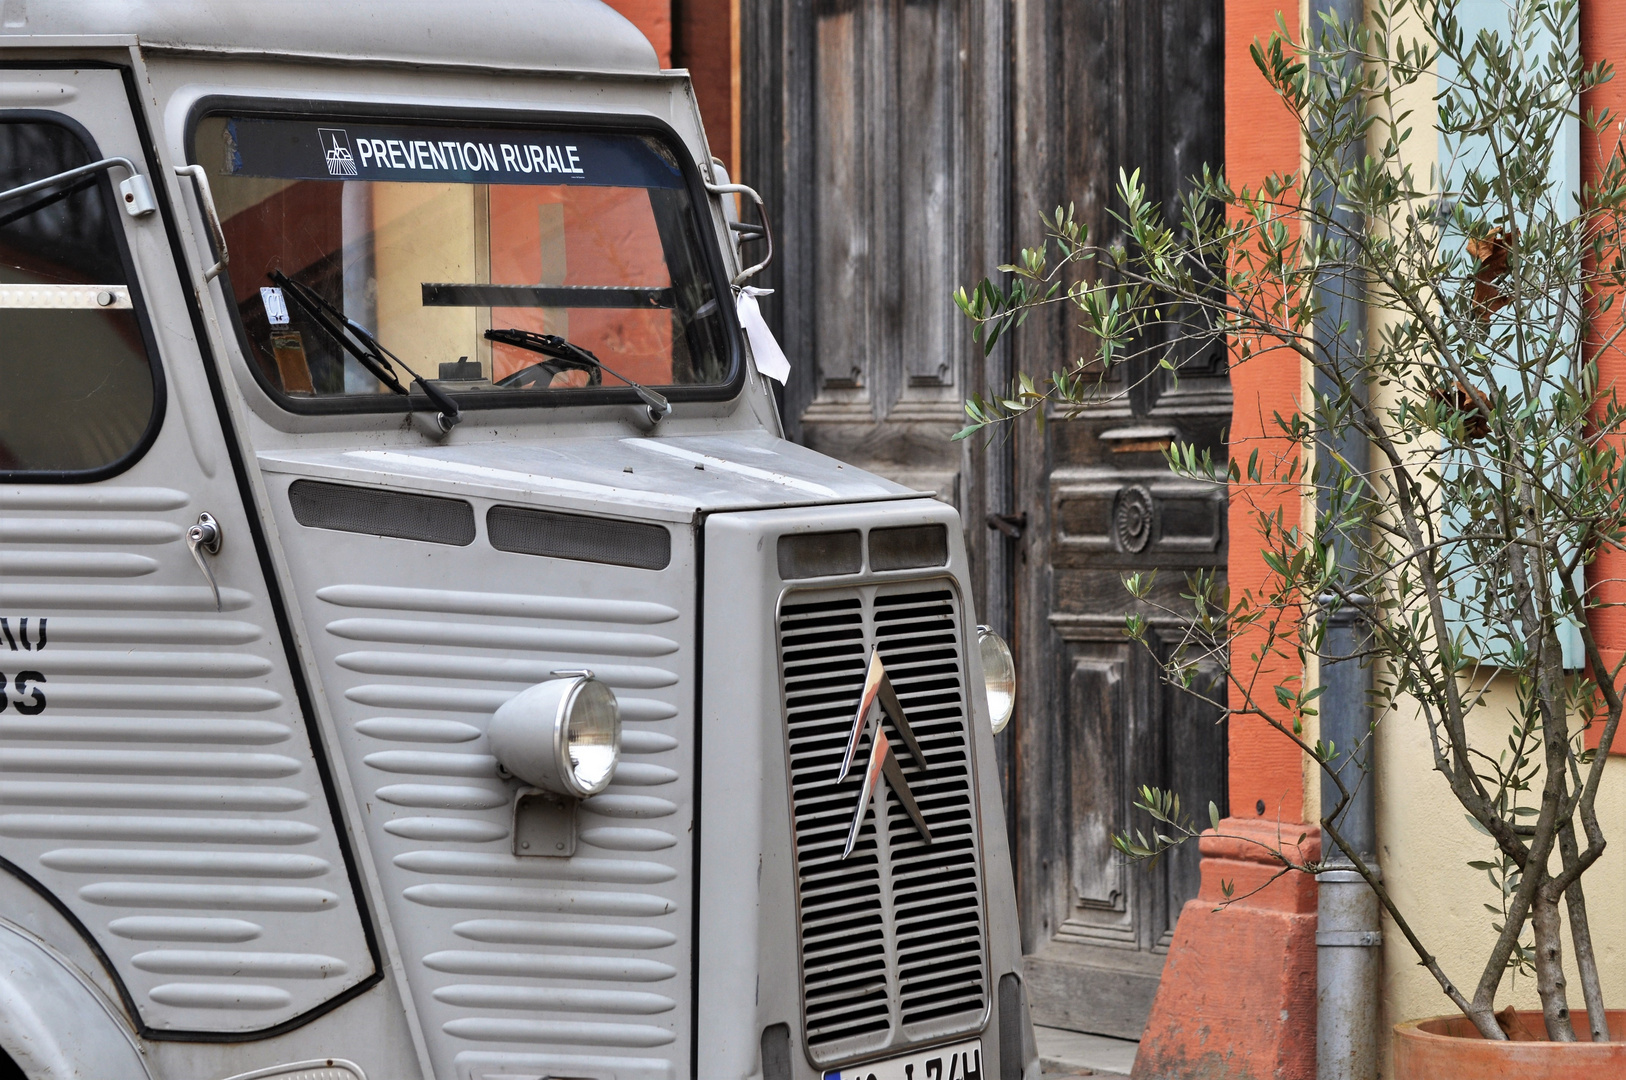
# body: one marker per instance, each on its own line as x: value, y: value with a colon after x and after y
x: 304, y: 150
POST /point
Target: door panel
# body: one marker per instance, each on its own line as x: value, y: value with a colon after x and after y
x: 1099, y: 87
x: 158, y: 779
x: 875, y: 131
x: 417, y: 651
x: 1095, y: 688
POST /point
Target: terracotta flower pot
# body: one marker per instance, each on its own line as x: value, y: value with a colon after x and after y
x: 1451, y: 1048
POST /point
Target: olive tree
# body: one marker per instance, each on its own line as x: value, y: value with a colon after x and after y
x: 1495, y: 475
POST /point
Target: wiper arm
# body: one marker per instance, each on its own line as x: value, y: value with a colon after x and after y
x: 560, y: 349
x: 369, y: 352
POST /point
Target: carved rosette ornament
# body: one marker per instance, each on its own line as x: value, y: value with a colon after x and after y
x: 1132, y: 519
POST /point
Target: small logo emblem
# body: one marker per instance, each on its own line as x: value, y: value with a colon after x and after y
x: 879, y: 698
x: 336, y: 148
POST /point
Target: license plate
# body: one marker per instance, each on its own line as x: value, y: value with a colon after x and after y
x: 962, y: 1061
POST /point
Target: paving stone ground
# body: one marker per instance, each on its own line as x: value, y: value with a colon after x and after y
x: 1065, y: 1055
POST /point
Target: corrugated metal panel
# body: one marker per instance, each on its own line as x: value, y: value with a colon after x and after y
x: 511, y: 950
x: 517, y: 965
x: 157, y: 776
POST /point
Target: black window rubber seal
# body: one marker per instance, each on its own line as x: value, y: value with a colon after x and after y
x: 519, y: 119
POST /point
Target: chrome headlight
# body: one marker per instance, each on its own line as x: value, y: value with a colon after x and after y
x: 998, y: 676
x: 563, y: 735
x: 592, y: 735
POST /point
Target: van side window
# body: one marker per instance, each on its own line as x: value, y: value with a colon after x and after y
x: 77, y: 386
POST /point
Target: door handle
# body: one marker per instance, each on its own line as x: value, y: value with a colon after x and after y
x: 202, y: 540
x: 206, y: 202
x: 748, y: 232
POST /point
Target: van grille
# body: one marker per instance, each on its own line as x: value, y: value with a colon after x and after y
x: 892, y: 938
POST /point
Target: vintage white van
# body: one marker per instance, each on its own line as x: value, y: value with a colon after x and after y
x: 423, y: 656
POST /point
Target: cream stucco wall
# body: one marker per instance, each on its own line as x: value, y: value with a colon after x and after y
x: 1425, y: 840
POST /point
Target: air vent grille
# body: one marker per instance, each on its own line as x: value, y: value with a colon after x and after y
x: 936, y: 887
x: 893, y: 937
x: 823, y: 554
x: 844, y: 947
x: 908, y: 547
x: 579, y: 537
x: 348, y: 508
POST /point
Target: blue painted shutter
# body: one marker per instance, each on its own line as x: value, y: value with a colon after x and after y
x: 1468, y: 155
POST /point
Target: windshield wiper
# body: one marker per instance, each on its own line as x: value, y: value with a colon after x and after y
x: 369, y: 352
x: 573, y: 354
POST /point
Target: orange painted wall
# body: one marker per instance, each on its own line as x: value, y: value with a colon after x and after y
x: 1603, y: 37
x: 1261, y: 137
x: 609, y: 238
x: 705, y: 41
x: 654, y: 18
x: 701, y: 35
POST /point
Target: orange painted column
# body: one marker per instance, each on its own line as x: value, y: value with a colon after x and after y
x: 1603, y: 37
x: 1261, y: 139
x: 1238, y: 996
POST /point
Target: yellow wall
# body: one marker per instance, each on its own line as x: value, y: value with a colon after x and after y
x: 1425, y: 840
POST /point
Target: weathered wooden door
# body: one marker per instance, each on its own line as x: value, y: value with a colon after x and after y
x: 1100, y: 86
x: 906, y: 147
x: 875, y: 130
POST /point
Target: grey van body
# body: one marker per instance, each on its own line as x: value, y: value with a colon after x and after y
x: 261, y: 832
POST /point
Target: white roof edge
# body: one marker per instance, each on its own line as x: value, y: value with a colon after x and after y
x: 568, y: 36
x: 350, y: 60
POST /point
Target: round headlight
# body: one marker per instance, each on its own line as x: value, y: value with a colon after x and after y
x: 563, y: 735
x: 999, y: 677
x: 592, y: 732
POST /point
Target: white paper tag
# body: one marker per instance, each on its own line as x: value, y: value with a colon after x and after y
x: 276, y: 308
x: 769, y: 356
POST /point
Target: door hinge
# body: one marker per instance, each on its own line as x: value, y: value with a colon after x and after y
x: 1011, y: 525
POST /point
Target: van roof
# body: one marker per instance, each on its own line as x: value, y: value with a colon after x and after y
x: 566, y: 35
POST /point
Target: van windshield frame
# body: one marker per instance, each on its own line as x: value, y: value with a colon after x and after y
x: 643, y: 152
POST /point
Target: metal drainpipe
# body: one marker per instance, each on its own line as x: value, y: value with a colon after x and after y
x: 1348, y: 935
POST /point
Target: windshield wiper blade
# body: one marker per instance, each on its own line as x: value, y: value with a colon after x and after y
x: 560, y: 349
x: 322, y: 313
x: 368, y: 350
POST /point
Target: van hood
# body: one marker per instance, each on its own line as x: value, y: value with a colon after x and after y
x: 667, y: 478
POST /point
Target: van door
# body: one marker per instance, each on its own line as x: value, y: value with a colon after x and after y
x: 160, y: 782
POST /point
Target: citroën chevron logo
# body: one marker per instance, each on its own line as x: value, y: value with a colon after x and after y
x: 880, y: 699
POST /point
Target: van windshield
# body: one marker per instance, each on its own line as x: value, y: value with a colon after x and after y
x: 437, y: 239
